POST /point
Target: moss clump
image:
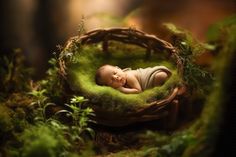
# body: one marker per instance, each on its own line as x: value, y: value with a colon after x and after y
x: 43, y: 140
x: 5, y: 121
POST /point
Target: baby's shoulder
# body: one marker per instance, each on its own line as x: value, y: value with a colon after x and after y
x: 131, y: 74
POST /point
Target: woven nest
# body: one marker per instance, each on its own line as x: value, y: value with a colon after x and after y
x: 149, y: 110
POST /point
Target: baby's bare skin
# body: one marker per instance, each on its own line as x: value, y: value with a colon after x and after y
x: 132, y: 85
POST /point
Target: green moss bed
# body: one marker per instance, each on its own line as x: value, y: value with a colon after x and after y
x: 89, y: 58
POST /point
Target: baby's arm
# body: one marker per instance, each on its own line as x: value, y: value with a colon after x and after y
x: 133, y: 84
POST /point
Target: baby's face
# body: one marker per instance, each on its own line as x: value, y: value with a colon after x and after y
x: 113, y: 76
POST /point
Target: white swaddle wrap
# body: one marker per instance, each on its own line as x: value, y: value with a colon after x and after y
x: 146, y: 76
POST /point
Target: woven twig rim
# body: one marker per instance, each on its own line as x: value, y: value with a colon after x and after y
x: 127, y: 36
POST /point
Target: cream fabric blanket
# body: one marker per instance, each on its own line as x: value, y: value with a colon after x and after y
x: 146, y: 76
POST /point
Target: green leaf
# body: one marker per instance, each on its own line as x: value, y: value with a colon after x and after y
x: 78, y: 99
x: 90, y: 131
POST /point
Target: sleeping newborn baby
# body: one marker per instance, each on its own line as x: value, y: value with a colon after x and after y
x: 131, y: 81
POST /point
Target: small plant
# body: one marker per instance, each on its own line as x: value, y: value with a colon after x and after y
x: 195, y: 76
x: 14, y: 75
x: 38, y: 105
x: 75, y: 132
x: 52, y: 81
x: 80, y: 119
x: 39, y: 95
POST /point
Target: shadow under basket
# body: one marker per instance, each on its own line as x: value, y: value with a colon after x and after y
x: 125, y: 47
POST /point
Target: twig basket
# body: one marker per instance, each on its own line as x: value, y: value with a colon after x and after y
x: 152, y: 110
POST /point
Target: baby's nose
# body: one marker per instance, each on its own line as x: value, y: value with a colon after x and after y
x: 115, y: 77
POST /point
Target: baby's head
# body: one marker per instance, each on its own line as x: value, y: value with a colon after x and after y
x: 109, y: 75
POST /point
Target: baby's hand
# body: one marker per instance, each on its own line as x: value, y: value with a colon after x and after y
x: 128, y: 90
